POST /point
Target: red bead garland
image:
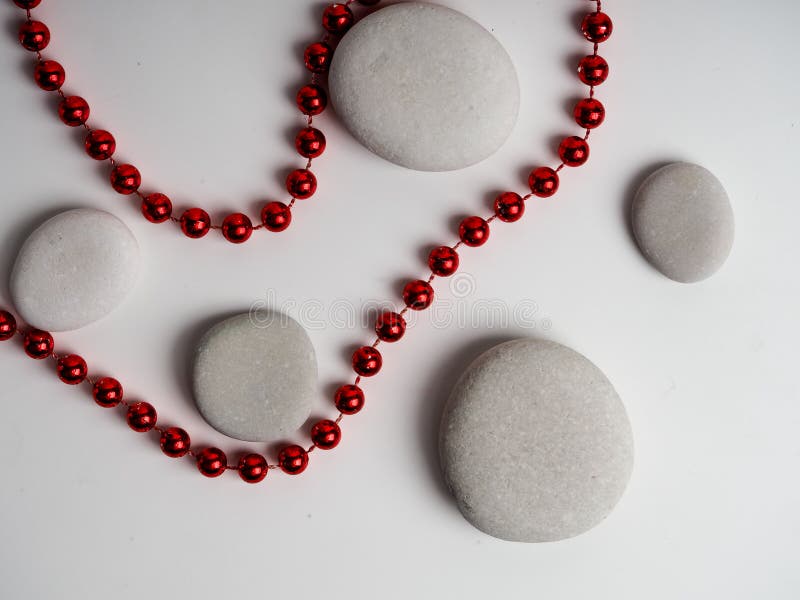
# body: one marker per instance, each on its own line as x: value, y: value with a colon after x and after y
x: 125, y: 179
x: 72, y: 369
x: 34, y: 36
x: 237, y: 228
x: 8, y: 326
x: 38, y: 344
x: 157, y: 208
x: 474, y: 231
x: 349, y: 399
x: 253, y: 468
x: 418, y: 295
x: 293, y: 460
x: 509, y: 207
x: 142, y: 417
x: 107, y: 392
x: 195, y: 223
x: 443, y: 261
x: 49, y: 75
x: 100, y: 145
x: 73, y: 111
x: 326, y: 435
x: 212, y: 462
x: 175, y: 442
x: 390, y: 327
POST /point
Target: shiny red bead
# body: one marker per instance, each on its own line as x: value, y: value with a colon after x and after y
x: 175, y: 442
x: 276, y: 216
x: 390, y: 327
x: 237, y: 228
x: 157, y: 208
x: 253, y: 468
x: 8, y: 326
x: 107, y: 392
x: 443, y: 261
x: 38, y: 344
x: 125, y: 179
x: 474, y: 231
x: 418, y: 295
x: 293, y: 460
x: 100, y: 145
x: 72, y: 369
x: 326, y: 435
x: 318, y: 57
x: 597, y: 27
x: 27, y: 4
x: 337, y: 19
x: 349, y: 399
x: 367, y: 361
x: 589, y: 113
x: 195, y: 223
x: 310, y: 142
x: 73, y: 111
x: 212, y: 462
x: 49, y: 75
x: 34, y: 36
x: 301, y: 184
x: 544, y: 182
x: 312, y: 100
x: 574, y: 151
x: 593, y: 70
x: 141, y: 417
x: 509, y: 207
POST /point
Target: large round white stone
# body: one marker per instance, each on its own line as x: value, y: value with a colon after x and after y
x: 425, y: 87
x: 255, y: 376
x: 535, y: 444
x: 74, y: 269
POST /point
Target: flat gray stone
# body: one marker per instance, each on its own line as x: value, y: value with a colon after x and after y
x: 683, y: 222
x: 255, y: 376
x: 75, y: 269
x: 425, y: 87
x: 535, y: 443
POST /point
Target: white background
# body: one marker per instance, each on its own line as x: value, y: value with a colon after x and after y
x: 198, y: 94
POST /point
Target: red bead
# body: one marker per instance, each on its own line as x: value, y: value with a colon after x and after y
x: 27, y: 4
x: 276, y: 216
x: 443, y: 261
x: 310, y: 142
x: 349, y: 399
x: 597, y: 27
x: 253, y: 468
x: 141, y: 417
x: 318, y: 57
x: 175, y: 442
x: 367, y: 361
x: 34, y: 36
x: 195, y: 223
x: 38, y: 344
x: 301, y: 184
x: 390, y: 327
x: 544, y: 182
x: 157, y: 208
x: 293, y: 460
x: 72, y: 369
x: 125, y: 179
x: 237, y: 228
x: 49, y: 75
x: 107, y: 392
x: 73, y: 111
x: 418, y: 295
x: 326, y: 435
x: 593, y: 70
x: 8, y: 326
x: 509, y: 207
x: 100, y: 145
x: 212, y: 462
x: 312, y: 100
x: 574, y: 151
x: 338, y: 18
x: 590, y: 113
x: 474, y: 231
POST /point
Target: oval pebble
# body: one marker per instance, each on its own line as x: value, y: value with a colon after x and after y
x: 425, y: 87
x: 75, y: 269
x: 255, y: 376
x: 535, y: 443
x: 683, y: 222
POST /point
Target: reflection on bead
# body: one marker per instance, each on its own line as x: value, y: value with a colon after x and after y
x: 175, y: 442
x: 443, y: 261
x: 71, y: 369
x: 544, y: 182
x: 195, y: 223
x: 312, y: 100
x: 349, y: 399
x: 509, y: 207
x: 237, y: 228
x: 38, y: 344
x: 318, y: 57
x: 141, y: 417
x: 8, y: 326
x: 326, y: 435
x: 589, y: 113
x: 125, y: 179
x: 107, y: 392
x: 310, y: 142
x: 474, y: 231
x: 597, y: 27
x: 293, y: 460
x: 253, y: 468
x: 27, y: 4
x: 49, y: 75
x: 276, y: 216
x: 593, y: 70
x: 212, y: 462
x: 34, y: 36
x: 157, y: 208
x: 73, y: 111
x: 418, y: 295
x: 301, y: 184
x: 100, y: 144
x: 367, y: 361
x: 390, y: 326
x: 337, y: 19
x: 574, y: 151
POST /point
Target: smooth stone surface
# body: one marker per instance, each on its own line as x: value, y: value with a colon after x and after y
x: 535, y: 443
x: 683, y: 222
x: 425, y: 87
x: 75, y: 269
x: 255, y: 376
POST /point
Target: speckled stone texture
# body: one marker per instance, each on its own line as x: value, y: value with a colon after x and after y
x: 425, y: 87
x: 75, y: 269
x: 683, y: 222
x: 535, y: 443
x: 255, y: 376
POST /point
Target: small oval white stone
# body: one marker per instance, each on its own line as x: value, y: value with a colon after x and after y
x: 425, y: 87
x: 75, y: 269
x: 683, y: 222
x: 255, y: 376
x: 535, y: 444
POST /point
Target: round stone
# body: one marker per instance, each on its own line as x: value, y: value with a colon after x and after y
x: 75, y: 269
x: 255, y: 376
x: 535, y: 443
x: 683, y: 222
x: 425, y: 87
